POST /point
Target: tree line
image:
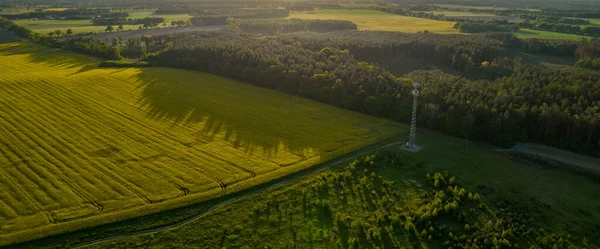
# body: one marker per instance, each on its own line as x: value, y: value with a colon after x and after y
x: 562, y: 28
x: 487, y: 26
x: 553, y: 19
x: 273, y: 26
x: 222, y: 17
x: 464, y: 53
x: 147, y: 21
x: 574, y: 13
x: 588, y: 54
x: 70, y: 14
x: 83, y: 45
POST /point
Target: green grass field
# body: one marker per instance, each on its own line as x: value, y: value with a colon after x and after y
x: 471, y: 15
x: 81, y: 145
x: 594, y: 21
x: 466, y: 6
x: 86, y: 26
x: 530, y: 33
x: 377, y: 20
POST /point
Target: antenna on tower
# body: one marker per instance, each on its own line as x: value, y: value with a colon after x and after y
x: 411, y: 144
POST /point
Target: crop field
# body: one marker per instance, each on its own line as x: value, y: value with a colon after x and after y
x: 82, y: 146
x: 86, y: 26
x: 377, y: 20
x: 56, y: 9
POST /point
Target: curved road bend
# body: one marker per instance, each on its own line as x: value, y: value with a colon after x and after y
x: 315, y: 170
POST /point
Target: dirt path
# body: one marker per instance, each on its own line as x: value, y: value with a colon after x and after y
x: 361, y: 152
x: 559, y: 155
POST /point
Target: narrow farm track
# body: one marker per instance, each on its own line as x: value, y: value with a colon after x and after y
x: 317, y: 169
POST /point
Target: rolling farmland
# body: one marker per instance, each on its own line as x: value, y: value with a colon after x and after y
x: 82, y: 145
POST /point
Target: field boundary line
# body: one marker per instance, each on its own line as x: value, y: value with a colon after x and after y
x: 301, y: 174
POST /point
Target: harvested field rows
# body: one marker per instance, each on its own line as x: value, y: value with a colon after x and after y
x: 80, y: 146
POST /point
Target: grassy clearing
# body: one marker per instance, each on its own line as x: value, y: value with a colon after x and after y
x: 83, y: 146
x: 377, y: 20
x: 86, y: 26
x: 530, y: 33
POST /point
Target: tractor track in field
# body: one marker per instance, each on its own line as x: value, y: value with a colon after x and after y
x: 311, y: 171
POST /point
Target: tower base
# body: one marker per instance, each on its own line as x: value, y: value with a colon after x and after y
x: 413, y: 148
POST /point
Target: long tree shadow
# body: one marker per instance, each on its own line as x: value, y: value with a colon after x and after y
x: 53, y: 57
x: 251, y: 119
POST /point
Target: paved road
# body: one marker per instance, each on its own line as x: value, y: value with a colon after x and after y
x: 152, y: 32
x: 559, y: 155
x: 343, y: 159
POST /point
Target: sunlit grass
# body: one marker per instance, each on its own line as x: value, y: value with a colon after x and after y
x: 530, y: 33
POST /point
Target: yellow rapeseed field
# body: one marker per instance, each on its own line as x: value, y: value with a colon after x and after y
x: 377, y: 20
x: 82, y: 145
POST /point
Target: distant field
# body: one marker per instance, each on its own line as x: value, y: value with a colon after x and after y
x: 82, y: 146
x: 56, y: 9
x: 456, y: 6
x: 377, y: 20
x: 86, y: 26
x: 16, y: 11
x: 471, y: 15
x: 530, y: 33
x: 594, y: 21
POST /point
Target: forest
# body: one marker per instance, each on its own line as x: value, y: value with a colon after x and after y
x: 553, y: 19
x: 486, y: 27
x: 221, y: 17
x: 327, y: 70
x: 274, y: 26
